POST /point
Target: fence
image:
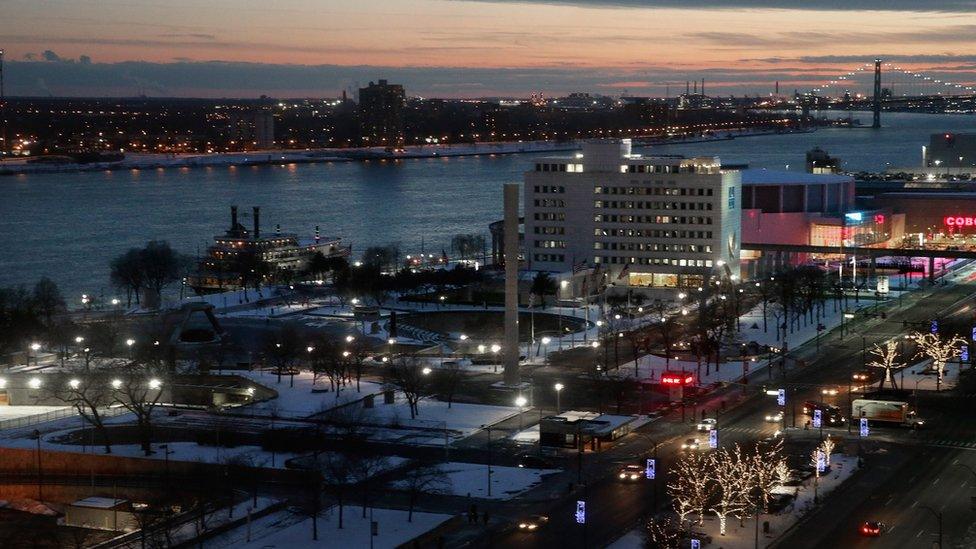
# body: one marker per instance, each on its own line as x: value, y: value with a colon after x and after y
x: 60, y: 413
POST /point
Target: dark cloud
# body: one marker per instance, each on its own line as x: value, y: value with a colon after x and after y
x: 808, y: 5
x: 226, y: 79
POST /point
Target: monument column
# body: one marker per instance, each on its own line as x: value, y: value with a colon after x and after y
x: 510, y: 349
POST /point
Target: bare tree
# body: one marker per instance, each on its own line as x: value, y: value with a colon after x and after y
x: 90, y: 393
x: 138, y: 389
x: 408, y: 374
x: 281, y: 350
x: 423, y: 479
x: 447, y: 380
x: 887, y: 359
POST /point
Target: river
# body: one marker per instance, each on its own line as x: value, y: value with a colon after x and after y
x: 68, y: 226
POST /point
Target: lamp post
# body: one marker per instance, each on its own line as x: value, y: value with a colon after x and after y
x: 559, y: 389
x: 520, y: 402
x: 33, y: 347
x: 545, y: 342
x: 488, y: 428
x: 40, y: 477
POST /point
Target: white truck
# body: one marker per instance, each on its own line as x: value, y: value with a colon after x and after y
x: 895, y: 412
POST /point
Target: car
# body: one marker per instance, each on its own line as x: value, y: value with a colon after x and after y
x: 872, y: 528
x: 690, y: 444
x: 532, y: 461
x: 775, y: 417
x: 631, y: 472
x: 532, y: 523
x: 863, y: 375
x: 707, y: 424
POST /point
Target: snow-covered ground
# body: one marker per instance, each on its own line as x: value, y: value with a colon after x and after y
x: 743, y: 537
x: 471, y: 480
x: 286, y: 530
x: 13, y: 412
x: 299, y: 400
x: 461, y: 420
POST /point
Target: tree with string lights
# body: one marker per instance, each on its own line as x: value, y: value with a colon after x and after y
x: 940, y: 350
x: 731, y: 475
x: 886, y: 358
x: 691, y: 486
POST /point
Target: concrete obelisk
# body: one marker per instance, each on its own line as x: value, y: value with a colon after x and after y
x: 510, y: 349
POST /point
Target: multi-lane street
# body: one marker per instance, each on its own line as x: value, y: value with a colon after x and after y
x: 905, y: 472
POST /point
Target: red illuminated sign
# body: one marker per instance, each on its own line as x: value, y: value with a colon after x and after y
x: 879, y: 219
x: 959, y: 221
x: 676, y: 379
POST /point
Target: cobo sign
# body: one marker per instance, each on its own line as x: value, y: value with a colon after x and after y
x: 959, y: 221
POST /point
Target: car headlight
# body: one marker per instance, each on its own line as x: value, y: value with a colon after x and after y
x: 633, y: 477
x: 523, y: 525
x: 533, y: 526
x: 623, y: 475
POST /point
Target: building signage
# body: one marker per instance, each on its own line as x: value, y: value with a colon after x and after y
x: 676, y: 379
x: 580, y: 512
x: 882, y: 284
x: 959, y: 221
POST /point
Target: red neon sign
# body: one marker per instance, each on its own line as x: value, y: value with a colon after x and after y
x: 676, y: 379
x: 959, y: 221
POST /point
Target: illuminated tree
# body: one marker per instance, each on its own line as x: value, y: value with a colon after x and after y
x: 691, y: 486
x: 730, y: 473
x: 886, y: 358
x: 764, y: 469
x: 828, y: 446
x: 939, y: 349
x: 663, y: 534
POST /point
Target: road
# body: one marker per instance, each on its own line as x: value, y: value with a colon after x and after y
x: 614, y: 507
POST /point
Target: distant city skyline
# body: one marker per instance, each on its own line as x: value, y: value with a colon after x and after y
x: 456, y: 48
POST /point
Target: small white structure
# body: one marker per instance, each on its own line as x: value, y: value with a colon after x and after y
x: 100, y: 513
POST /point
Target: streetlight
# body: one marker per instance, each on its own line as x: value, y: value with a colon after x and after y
x: 488, y: 428
x: 155, y: 384
x: 34, y: 347
x: 116, y: 383
x: 520, y: 402
x: 545, y: 341
x: 350, y: 339
x: 34, y: 383
x: 559, y: 388
x: 426, y: 371
x: 74, y: 383
x: 79, y: 339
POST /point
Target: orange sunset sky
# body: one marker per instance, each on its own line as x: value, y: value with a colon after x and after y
x: 474, y: 48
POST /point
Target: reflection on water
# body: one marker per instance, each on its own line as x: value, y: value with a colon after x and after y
x: 68, y: 226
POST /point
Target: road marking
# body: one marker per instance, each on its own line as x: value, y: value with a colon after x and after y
x: 955, y: 462
x: 936, y: 481
x: 919, y: 534
x: 914, y: 503
x: 911, y: 480
x: 889, y: 500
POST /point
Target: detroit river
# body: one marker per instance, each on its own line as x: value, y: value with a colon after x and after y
x: 68, y: 226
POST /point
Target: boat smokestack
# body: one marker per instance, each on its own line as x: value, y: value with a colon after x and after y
x: 257, y: 222
x: 233, y: 218
x: 316, y: 234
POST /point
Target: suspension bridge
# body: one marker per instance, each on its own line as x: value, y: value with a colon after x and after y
x: 883, y: 86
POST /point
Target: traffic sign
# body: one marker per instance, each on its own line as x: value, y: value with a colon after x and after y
x: 580, y: 512
x: 864, y: 426
x: 713, y: 438
x: 817, y: 419
x: 935, y: 326
x: 821, y: 461
x: 695, y: 544
x: 781, y: 397
x: 964, y: 353
x: 650, y: 471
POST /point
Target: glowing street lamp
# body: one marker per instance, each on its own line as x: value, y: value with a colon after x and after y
x: 520, y: 402
x: 155, y: 384
x: 426, y: 371
x: 350, y: 339
x: 34, y: 383
x: 74, y: 383
x: 116, y: 383
x: 495, y: 348
x: 559, y: 388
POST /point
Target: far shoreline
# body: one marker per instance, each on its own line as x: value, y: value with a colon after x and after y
x: 315, y: 156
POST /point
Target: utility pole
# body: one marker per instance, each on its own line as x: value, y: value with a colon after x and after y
x: 876, y: 123
x: 3, y: 112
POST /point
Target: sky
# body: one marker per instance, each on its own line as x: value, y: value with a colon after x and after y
x: 471, y: 48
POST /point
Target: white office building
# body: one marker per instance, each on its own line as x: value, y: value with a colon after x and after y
x: 654, y: 222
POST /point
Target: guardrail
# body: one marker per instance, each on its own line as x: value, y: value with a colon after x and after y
x: 61, y: 413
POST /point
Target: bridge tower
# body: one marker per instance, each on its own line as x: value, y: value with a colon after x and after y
x: 876, y: 123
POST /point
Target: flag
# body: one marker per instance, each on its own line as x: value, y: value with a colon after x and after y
x: 624, y: 272
x: 577, y: 267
